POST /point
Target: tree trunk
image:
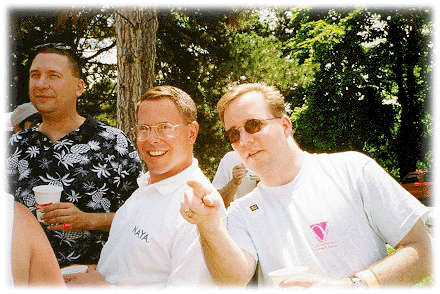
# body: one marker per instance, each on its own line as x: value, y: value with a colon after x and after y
x: 136, y: 43
x: 409, y: 137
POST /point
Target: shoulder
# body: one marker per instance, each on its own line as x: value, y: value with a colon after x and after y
x: 24, y: 219
x: 231, y: 155
x: 343, y: 158
x: 21, y: 136
x: 198, y: 175
x: 113, y: 136
x: 96, y: 125
x: 108, y: 128
x: 22, y: 213
x: 246, y: 202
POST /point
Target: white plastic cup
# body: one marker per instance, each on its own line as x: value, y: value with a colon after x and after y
x: 287, y: 273
x: 45, y: 195
x: 74, y: 269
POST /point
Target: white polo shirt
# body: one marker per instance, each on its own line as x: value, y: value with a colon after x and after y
x: 150, y: 243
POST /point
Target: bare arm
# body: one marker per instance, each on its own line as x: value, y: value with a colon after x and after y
x: 228, y: 191
x: 227, y: 263
x: 33, y: 260
x: 68, y: 213
x: 411, y: 262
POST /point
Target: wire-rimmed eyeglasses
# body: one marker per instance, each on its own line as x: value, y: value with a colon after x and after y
x: 163, y: 131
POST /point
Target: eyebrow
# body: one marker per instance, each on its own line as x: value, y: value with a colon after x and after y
x: 50, y: 71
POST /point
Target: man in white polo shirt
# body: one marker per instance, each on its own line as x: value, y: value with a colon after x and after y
x: 150, y: 244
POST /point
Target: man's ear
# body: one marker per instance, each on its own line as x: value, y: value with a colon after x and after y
x: 80, y: 87
x: 193, y: 131
x: 287, y: 124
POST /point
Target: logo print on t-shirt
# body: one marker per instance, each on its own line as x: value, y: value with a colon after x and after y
x: 320, y: 230
x: 138, y: 232
x: 321, y: 234
x: 253, y: 207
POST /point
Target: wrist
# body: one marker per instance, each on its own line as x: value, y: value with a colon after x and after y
x: 236, y: 182
x: 89, y: 221
x: 368, y: 278
x: 211, y: 229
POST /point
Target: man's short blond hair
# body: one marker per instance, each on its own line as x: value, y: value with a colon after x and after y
x: 185, y: 105
x: 273, y: 97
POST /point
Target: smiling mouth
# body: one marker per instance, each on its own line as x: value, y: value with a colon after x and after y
x: 156, y: 153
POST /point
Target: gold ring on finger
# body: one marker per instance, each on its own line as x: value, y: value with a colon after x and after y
x: 189, y: 213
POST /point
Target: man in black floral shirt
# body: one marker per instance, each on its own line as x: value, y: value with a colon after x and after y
x: 96, y: 164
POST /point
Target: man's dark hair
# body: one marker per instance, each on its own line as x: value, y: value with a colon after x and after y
x: 61, y: 49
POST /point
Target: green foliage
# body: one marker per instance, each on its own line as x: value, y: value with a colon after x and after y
x: 355, y: 78
x: 204, y: 52
x: 88, y: 31
x: 372, y: 83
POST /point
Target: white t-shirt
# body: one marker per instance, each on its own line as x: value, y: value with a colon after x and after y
x: 224, y: 175
x: 150, y: 243
x: 333, y: 217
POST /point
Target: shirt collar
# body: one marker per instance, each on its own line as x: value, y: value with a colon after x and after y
x: 87, y: 128
x: 169, y: 185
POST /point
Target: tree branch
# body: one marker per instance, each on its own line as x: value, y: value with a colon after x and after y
x: 101, y: 51
x: 129, y: 21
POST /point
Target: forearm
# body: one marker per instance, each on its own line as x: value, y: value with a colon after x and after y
x: 100, y: 221
x: 406, y: 266
x: 226, y: 262
x: 411, y: 262
x: 228, y: 192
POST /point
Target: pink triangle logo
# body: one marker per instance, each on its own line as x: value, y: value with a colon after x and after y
x: 320, y: 230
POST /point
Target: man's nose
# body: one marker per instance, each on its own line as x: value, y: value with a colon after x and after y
x: 41, y: 82
x: 245, y: 137
x: 152, y: 136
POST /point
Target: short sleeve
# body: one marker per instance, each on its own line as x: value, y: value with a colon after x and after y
x: 391, y: 210
x: 223, y: 174
x: 238, y: 230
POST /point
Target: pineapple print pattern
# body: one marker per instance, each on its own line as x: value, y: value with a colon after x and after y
x: 96, y: 165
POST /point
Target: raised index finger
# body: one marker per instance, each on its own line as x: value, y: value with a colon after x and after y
x: 199, y: 190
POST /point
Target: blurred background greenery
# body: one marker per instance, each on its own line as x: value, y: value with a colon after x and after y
x: 354, y: 78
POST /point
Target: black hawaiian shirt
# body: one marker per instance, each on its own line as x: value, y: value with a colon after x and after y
x: 96, y: 165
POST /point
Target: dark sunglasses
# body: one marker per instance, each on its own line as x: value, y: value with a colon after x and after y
x: 251, y: 126
x: 58, y: 46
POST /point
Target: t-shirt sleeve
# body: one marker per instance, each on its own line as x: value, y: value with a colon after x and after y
x: 391, y: 210
x: 223, y: 174
x: 238, y: 231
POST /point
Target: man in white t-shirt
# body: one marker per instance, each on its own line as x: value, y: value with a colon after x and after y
x: 150, y: 244
x: 330, y: 212
x: 232, y: 179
